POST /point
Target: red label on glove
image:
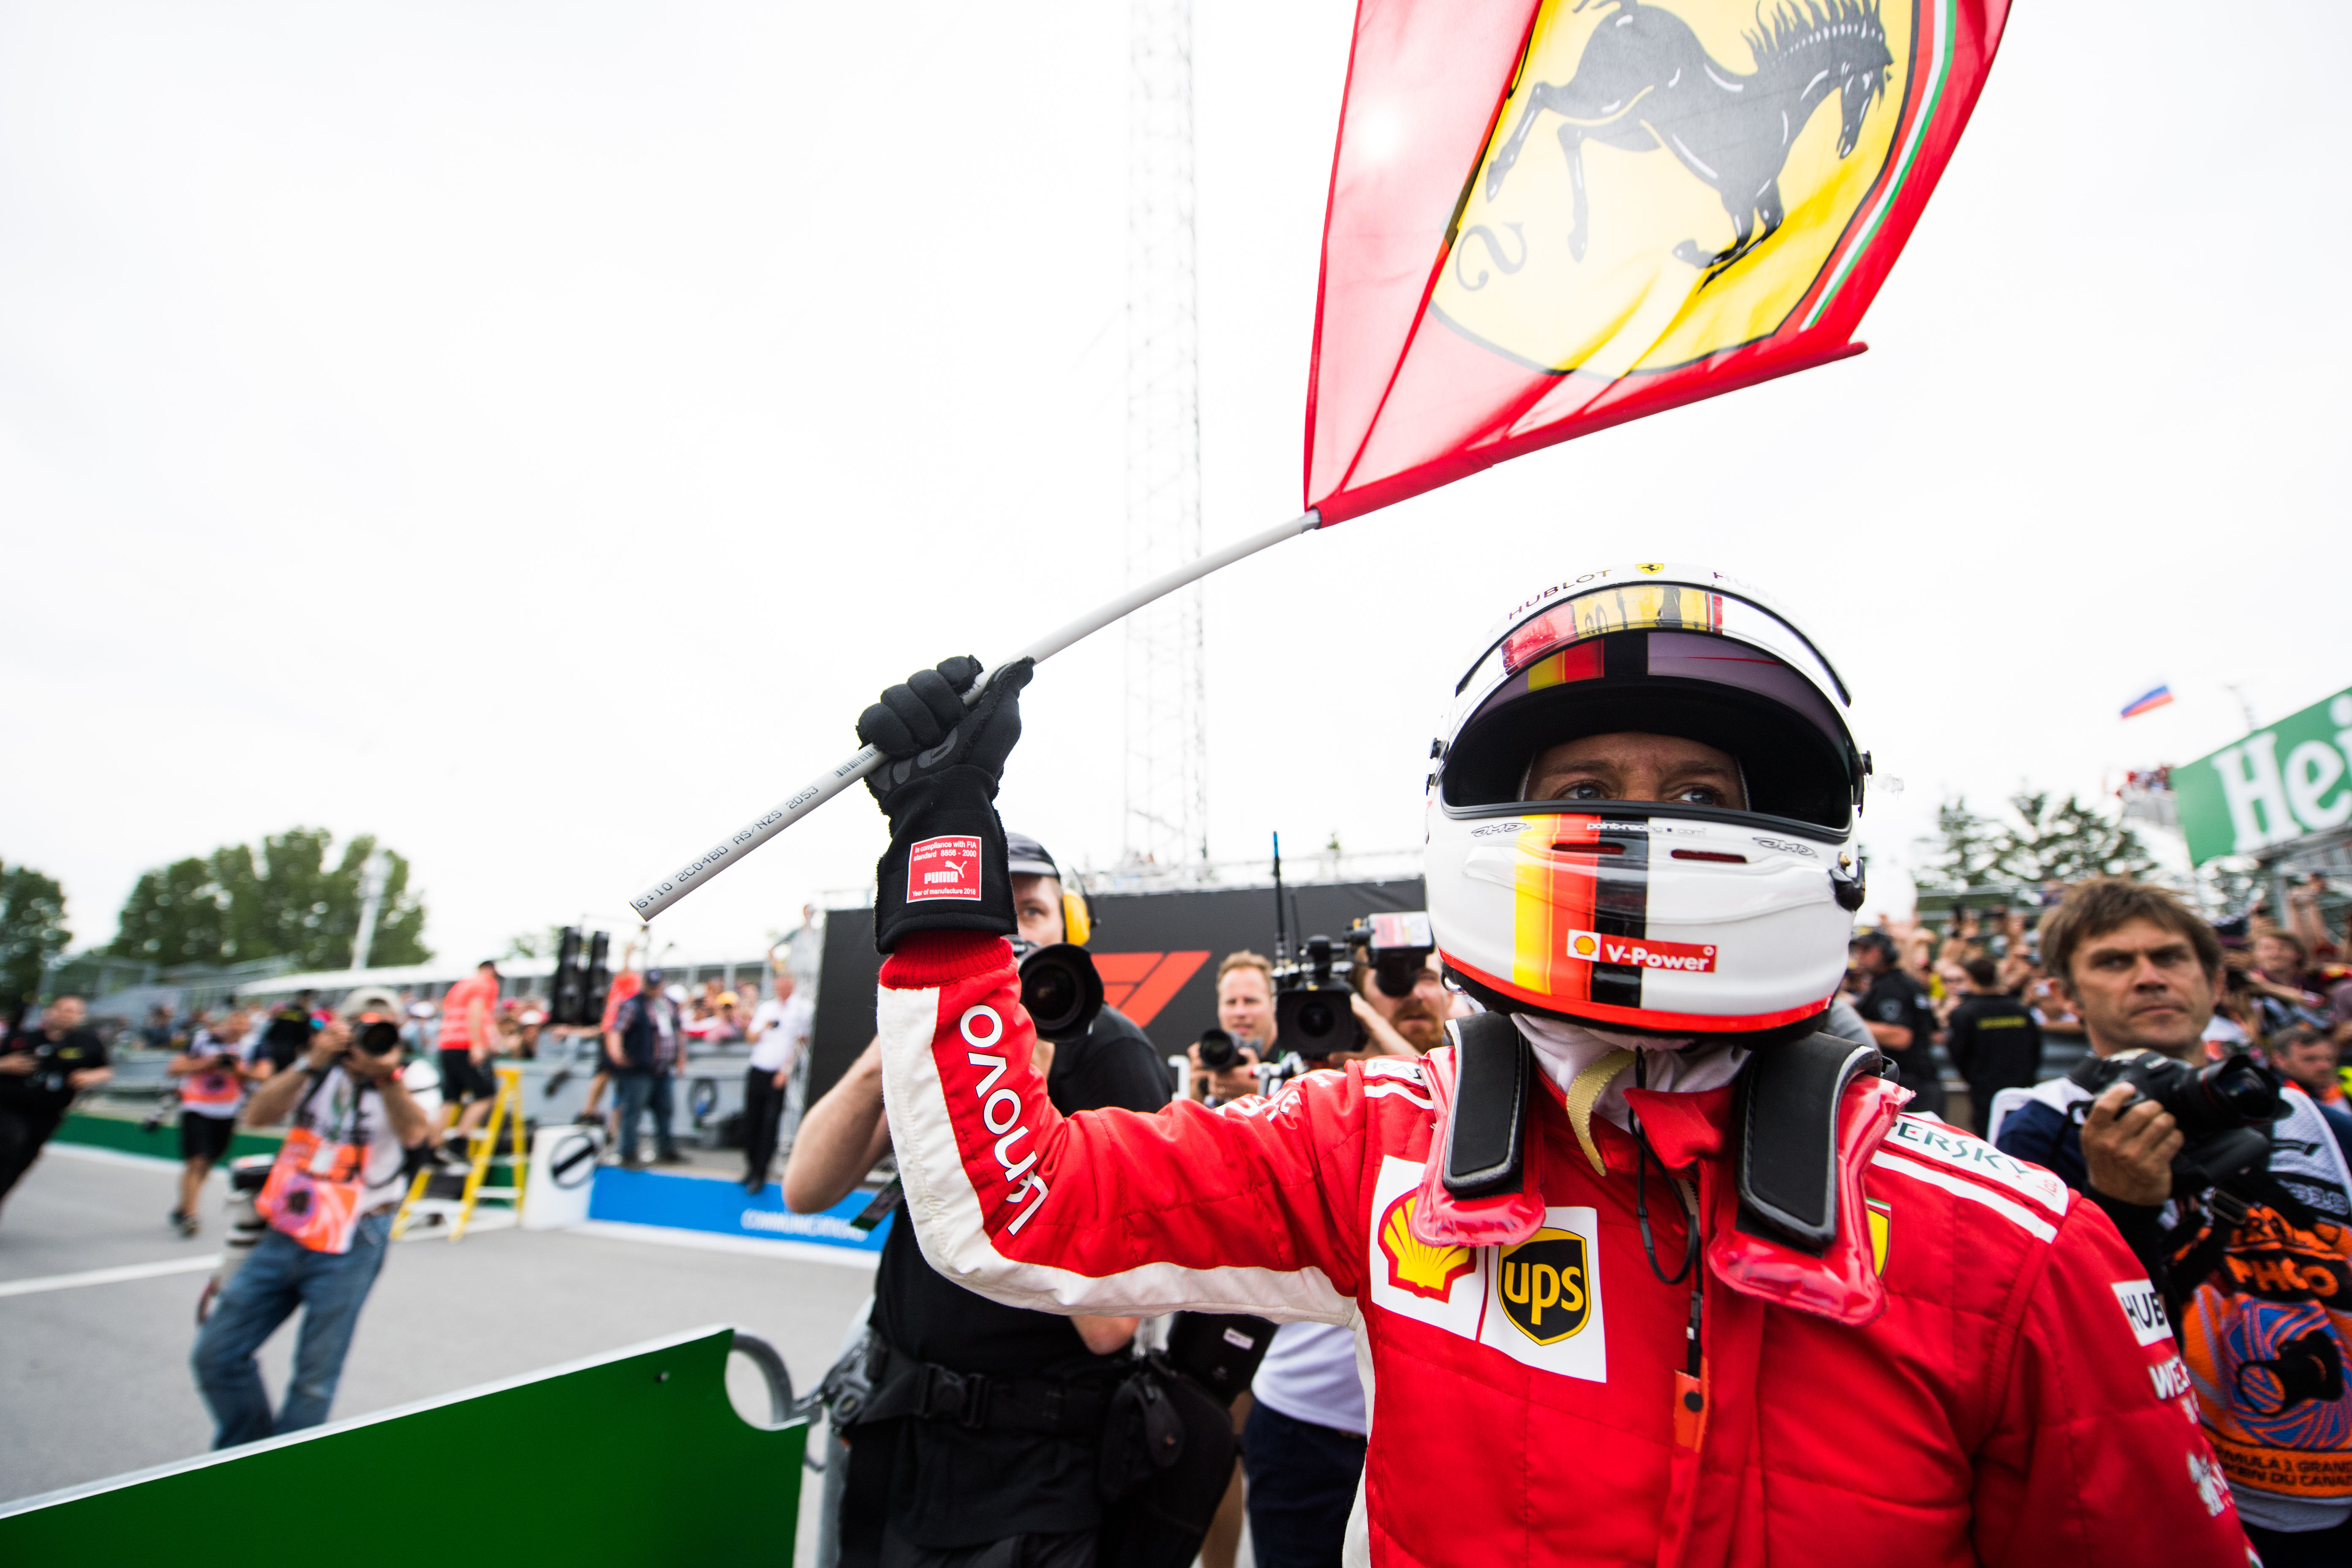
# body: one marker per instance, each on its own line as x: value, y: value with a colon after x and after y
x: 945, y: 867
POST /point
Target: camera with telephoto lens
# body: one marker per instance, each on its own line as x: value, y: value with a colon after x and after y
x: 1061, y: 990
x: 1219, y: 1051
x: 2223, y: 1110
x: 1314, y: 1005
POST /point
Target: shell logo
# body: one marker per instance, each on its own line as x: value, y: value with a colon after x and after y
x: 1584, y: 945
x: 1413, y: 1264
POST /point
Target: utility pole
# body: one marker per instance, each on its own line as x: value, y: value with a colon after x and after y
x: 1165, y: 772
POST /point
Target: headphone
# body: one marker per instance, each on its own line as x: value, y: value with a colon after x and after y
x: 1077, y: 921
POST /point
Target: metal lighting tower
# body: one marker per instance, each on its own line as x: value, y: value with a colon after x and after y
x: 1166, y: 826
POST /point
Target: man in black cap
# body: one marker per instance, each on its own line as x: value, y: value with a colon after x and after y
x: 942, y: 1491
x: 1894, y: 1007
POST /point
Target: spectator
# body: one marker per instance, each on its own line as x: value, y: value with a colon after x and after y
x: 720, y: 1026
x: 2308, y: 1060
x: 43, y: 1065
x: 647, y: 1053
x: 1244, y: 1011
x: 214, y: 1075
x: 780, y: 1038
x: 468, y: 1031
x: 625, y: 985
x: 156, y: 1033
x: 329, y: 1202
x: 2251, y: 1268
x: 1895, y: 1009
x: 1992, y: 1041
x: 2276, y: 981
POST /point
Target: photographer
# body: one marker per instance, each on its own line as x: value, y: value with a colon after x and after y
x: 934, y: 1490
x: 41, y: 1069
x: 2255, y: 1266
x: 1246, y: 1012
x: 1617, y: 1309
x: 329, y: 1202
x: 214, y: 1074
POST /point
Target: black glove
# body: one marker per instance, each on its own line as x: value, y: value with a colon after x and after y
x: 945, y: 867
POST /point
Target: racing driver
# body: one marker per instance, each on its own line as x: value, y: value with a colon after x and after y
x: 1646, y: 1268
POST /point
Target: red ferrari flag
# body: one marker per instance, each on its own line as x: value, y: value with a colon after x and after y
x: 1549, y: 217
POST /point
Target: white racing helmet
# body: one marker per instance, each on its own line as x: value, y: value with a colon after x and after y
x: 1658, y: 916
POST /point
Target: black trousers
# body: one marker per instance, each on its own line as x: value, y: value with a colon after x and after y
x: 23, y: 1130
x: 763, y: 1109
x: 1302, y: 1486
x: 2304, y: 1549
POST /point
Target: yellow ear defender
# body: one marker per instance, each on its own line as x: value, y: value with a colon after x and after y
x: 1077, y: 924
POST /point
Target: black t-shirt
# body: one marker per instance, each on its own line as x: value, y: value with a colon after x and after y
x: 1895, y: 998
x: 1995, y: 1043
x: 46, y: 1090
x: 950, y: 1486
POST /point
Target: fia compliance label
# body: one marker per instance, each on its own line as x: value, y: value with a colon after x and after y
x: 1642, y: 953
x: 944, y: 867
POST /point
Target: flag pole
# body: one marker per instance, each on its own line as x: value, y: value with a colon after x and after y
x: 865, y: 759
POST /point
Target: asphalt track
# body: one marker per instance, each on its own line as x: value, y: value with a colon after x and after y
x: 94, y: 1376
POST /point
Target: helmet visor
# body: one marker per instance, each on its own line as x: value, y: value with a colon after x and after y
x: 1659, y: 658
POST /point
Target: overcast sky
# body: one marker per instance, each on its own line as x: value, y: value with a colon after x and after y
x: 531, y: 431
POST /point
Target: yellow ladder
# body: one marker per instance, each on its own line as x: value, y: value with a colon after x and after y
x: 481, y: 1148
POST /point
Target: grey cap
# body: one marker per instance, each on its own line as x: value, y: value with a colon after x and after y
x: 1024, y: 856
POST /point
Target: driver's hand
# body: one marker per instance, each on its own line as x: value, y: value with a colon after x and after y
x: 2130, y: 1153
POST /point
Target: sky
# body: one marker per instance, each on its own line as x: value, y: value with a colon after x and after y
x: 531, y: 433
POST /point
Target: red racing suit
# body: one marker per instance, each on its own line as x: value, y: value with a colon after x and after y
x: 2013, y: 1401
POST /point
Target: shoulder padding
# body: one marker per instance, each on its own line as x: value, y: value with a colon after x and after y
x: 1787, y: 1128
x: 1487, y: 1131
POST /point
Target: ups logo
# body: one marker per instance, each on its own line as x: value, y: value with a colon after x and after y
x: 1546, y: 1288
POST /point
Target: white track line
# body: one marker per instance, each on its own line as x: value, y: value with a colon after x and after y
x: 108, y: 1276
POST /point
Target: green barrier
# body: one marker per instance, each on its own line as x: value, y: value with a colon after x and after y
x: 636, y: 1457
x: 124, y: 1136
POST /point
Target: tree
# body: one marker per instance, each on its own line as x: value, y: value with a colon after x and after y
x: 1966, y: 850
x: 2067, y: 842
x: 285, y: 901
x: 2041, y: 843
x: 32, y: 933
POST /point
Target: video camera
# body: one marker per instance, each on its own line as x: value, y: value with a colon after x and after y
x: 2223, y: 1110
x: 577, y: 989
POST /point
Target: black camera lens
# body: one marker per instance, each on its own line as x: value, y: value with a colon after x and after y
x: 2243, y: 1091
x: 1218, y: 1051
x: 1061, y: 991
x: 378, y: 1038
x: 1316, y: 1020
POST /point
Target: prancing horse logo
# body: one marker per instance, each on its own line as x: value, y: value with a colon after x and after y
x: 1645, y: 81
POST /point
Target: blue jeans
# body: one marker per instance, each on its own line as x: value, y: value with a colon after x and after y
x: 281, y: 1275
x: 636, y: 1092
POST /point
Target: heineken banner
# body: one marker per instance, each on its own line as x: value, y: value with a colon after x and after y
x: 2278, y: 785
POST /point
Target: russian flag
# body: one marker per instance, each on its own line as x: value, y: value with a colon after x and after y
x: 2156, y: 699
